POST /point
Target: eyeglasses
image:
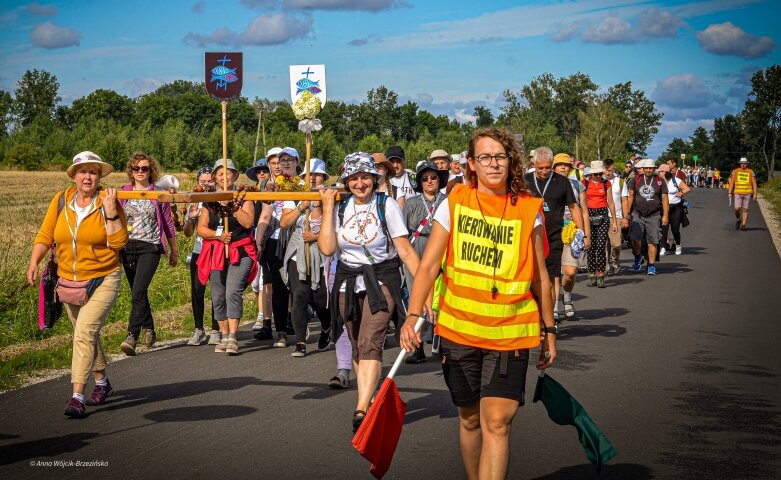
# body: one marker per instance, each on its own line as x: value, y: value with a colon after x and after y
x: 429, y: 178
x: 485, y: 159
x: 288, y: 160
x: 143, y: 169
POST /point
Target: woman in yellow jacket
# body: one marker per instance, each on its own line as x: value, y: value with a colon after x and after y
x: 493, y: 298
x: 88, y: 232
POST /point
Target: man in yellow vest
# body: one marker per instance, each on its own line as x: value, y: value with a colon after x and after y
x: 742, y: 184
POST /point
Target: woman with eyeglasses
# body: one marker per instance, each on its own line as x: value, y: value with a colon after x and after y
x: 198, y: 289
x: 150, y: 226
x: 495, y: 295
x: 419, y: 215
x: 602, y: 214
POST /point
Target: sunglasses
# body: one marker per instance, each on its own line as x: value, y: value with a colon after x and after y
x: 596, y: 174
x: 143, y: 169
x: 429, y: 178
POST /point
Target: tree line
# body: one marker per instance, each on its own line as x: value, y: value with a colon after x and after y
x: 754, y: 133
x: 180, y: 125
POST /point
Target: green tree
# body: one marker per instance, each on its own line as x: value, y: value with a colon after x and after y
x: 604, y: 132
x: 105, y: 104
x: 35, y: 97
x: 702, y: 146
x: 641, y: 113
x: 674, y: 150
x: 483, y: 117
x: 762, y: 118
x: 5, y: 113
x: 25, y: 155
x: 727, y: 138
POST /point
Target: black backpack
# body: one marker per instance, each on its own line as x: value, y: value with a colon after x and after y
x: 381, y: 198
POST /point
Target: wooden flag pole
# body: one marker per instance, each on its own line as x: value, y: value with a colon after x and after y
x: 306, y: 217
x: 224, y: 105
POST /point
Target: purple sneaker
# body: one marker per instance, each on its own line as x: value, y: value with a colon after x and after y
x: 100, y: 394
x: 75, y: 409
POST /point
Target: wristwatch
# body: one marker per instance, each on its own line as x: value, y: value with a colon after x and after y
x: 554, y: 329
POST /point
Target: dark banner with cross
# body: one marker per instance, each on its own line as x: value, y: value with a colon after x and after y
x: 224, y: 74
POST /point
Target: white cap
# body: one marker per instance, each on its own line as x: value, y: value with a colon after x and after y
x: 273, y: 152
x: 743, y: 160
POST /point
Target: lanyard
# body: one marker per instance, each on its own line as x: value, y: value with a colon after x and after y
x: 425, y: 221
x: 362, y: 229
x: 542, y: 193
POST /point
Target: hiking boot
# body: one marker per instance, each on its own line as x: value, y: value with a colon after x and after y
x: 651, y: 270
x: 418, y: 356
x: 281, y: 341
x: 592, y: 280
x: 199, y: 338
x: 99, y: 394
x: 75, y: 409
x: 737, y: 224
x: 128, y: 346
x: 325, y: 339
x: 638, y: 263
x: 600, y: 280
x: 300, y: 350
x: 148, y: 337
x: 215, y: 337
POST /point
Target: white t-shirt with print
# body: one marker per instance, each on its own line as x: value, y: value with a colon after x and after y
x: 277, y: 207
x: 361, y: 228
x: 404, y: 185
x: 442, y: 215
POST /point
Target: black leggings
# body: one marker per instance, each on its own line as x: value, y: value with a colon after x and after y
x: 279, y: 292
x: 198, y: 295
x: 596, y: 253
x: 675, y: 217
x: 140, y: 260
x: 303, y: 295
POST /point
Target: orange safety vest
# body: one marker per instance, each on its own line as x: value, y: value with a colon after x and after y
x: 470, y: 314
x: 742, y: 179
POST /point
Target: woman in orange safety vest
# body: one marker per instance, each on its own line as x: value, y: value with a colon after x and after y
x: 490, y: 232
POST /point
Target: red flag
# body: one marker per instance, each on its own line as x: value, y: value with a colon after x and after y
x: 378, y: 435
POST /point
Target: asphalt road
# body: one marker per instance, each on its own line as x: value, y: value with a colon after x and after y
x: 680, y: 371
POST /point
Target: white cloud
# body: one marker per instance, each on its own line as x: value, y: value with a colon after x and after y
x: 672, y: 129
x: 656, y: 23
x: 198, y: 7
x: 260, y: 4
x: 612, y: 30
x: 567, y: 32
x: 264, y: 30
x: 346, y: 5
x: 38, y: 10
x: 682, y: 91
x: 47, y: 35
x: 728, y: 39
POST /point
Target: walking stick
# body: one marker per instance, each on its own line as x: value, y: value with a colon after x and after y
x: 224, y: 105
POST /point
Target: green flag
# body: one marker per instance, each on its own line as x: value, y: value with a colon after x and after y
x: 565, y: 410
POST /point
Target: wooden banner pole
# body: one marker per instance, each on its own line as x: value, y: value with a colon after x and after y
x: 224, y: 105
x: 308, y: 185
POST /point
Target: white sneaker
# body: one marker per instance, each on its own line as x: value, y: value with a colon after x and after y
x: 215, y: 337
x: 258, y: 325
x: 678, y: 250
x: 662, y: 252
x: 199, y: 338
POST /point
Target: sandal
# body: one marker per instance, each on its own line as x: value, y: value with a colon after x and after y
x: 220, y: 347
x: 231, y: 344
x: 569, y: 309
x: 358, y: 417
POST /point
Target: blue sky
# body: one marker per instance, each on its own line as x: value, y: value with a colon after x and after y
x: 694, y: 58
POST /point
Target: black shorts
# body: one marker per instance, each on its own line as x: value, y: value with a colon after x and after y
x: 553, y: 260
x: 472, y: 373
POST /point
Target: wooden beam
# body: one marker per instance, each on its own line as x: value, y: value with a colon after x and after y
x: 193, y: 197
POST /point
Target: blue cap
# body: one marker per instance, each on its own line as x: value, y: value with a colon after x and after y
x: 252, y: 172
x: 289, y: 151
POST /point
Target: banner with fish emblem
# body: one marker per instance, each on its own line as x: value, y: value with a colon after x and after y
x: 224, y: 75
x: 307, y: 78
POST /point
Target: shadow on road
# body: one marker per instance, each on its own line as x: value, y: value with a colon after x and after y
x: 601, y: 313
x: 129, y: 398
x: 622, y: 471
x: 45, y: 447
x: 199, y: 413
x: 580, y: 331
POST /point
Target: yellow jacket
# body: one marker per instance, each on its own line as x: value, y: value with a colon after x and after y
x: 94, y: 254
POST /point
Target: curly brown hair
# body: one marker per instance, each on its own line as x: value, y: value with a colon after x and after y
x: 154, y: 166
x: 517, y: 166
